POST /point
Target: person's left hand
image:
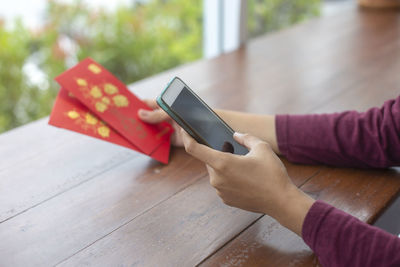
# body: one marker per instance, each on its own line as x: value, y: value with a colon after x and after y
x: 157, y: 115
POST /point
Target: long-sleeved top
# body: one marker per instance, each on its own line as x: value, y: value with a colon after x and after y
x: 350, y: 139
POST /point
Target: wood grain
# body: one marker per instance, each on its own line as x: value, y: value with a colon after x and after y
x: 20, y: 146
x: 79, y: 217
x: 71, y: 200
x: 265, y: 243
x: 181, y: 231
x: 54, y: 170
x: 362, y: 193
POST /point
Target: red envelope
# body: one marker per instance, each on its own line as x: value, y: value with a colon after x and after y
x: 69, y: 113
x: 109, y: 99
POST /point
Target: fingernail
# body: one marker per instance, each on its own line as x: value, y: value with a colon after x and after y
x: 237, y: 134
x: 143, y: 113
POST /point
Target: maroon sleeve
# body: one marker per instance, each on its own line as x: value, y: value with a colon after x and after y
x: 350, y: 139
x: 339, y: 239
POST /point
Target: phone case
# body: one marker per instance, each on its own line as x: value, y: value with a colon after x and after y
x: 177, y: 118
x: 180, y: 121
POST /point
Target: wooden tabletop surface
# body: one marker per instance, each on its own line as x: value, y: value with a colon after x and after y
x: 70, y: 200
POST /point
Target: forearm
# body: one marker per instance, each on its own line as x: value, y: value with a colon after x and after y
x: 350, y: 139
x: 339, y: 239
x: 262, y: 126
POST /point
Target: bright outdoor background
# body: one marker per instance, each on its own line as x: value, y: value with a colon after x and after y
x: 132, y: 39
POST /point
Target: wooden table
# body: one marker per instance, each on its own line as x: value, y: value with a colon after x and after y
x: 70, y: 200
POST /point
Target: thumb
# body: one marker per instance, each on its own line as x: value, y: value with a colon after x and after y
x: 247, y: 140
x: 152, y: 116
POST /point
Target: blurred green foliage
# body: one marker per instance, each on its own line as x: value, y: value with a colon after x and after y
x: 132, y: 42
x: 270, y: 15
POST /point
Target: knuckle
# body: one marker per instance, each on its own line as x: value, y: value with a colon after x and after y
x: 189, y: 147
x: 160, y: 113
x: 221, y: 165
x: 218, y: 184
x: 264, y: 145
x: 246, y: 136
x: 215, y: 181
x: 156, y: 115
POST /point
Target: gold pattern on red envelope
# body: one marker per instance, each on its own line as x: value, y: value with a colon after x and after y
x: 70, y: 114
x: 102, y: 96
x: 94, y: 68
x: 89, y: 122
x: 110, y: 100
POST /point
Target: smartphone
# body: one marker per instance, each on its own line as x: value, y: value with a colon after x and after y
x: 197, y: 118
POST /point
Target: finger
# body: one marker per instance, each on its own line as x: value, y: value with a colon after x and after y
x: 254, y: 144
x: 152, y: 103
x: 247, y: 140
x: 216, y: 179
x: 152, y: 116
x: 210, y: 170
x: 214, y: 158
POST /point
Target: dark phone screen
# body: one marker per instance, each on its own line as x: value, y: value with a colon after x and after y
x: 205, y: 123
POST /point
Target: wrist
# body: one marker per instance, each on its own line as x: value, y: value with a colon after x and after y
x: 294, y: 207
x: 262, y: 126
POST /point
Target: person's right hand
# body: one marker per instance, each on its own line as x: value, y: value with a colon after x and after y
x: 158, y: 115
x: 257, y: 181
